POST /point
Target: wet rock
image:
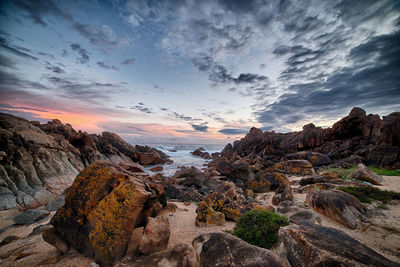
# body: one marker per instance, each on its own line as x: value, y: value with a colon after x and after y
x: 52, y: 237
x: 338, y: 205
x: 222, y: 249
x: 363, y: 173
x: 200, y: 152
x: 102, y: 207
x: 313, y: 245
x: 30, y: 216
x: 190, y: 177
x: 156, y: 235
x: 180, y: 255
x: 295, y: 167
x: 157, y: 169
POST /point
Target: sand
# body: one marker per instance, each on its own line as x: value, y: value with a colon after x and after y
x: 183, y: 228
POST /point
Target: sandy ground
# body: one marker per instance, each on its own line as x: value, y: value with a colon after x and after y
x: 381, y: 235
x: 391, y: 183
x: 183, y: 228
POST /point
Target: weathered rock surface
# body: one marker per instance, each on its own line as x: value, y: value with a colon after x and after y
x: 156, y: 235
x: 38, y: 161
x: 313, y: 245
x: 315, y: 158
x: 338, y: 205
x: 222, y: 249
x: 102, y: 207
x: 181, y: 255
x: 363, y: 173
x: 296, y: 167
x: 52, y: 237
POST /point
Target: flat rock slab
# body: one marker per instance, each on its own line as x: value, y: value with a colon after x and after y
x: 312, y: 245
x: 30, y: 216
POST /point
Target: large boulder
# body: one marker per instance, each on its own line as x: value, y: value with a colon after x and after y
x: 102, y: 207
x: 295, y: 167
x: 222, y: 249
x: 363, y: 173
x: 313, y: 245
x: 200, y: 152
x: 338, y: 205
x: 190, y: 177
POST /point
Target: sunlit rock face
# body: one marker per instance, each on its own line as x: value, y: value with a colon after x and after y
x: 39, y: 161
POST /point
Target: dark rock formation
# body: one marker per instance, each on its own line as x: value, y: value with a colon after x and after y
x: 200, y: 152
x: 312, y: 245
x: 38, y: 161
x: 367, y: 136
x: 104, y: 204
x: 222, y: 249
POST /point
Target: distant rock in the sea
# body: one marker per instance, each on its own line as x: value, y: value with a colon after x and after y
x: 38, y: 161
x: 200, y: 152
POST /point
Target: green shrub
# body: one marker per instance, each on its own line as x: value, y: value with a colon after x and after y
x: 368, y: 193
x: 343, y: 173
x: 260, y: 227
x: 385, y: 171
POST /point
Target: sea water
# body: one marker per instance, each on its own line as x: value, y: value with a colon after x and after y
x: 182, y: 156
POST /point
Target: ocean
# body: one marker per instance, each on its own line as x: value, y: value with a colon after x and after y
x: 182, y: 156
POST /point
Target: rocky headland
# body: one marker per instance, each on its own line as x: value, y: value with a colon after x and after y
x: 75, y: 199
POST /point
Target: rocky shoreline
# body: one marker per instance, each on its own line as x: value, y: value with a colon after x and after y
x: 90, y: 198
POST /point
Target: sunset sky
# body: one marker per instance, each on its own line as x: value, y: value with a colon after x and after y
x: 198, y: 71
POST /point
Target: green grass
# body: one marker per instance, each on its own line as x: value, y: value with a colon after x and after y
x: 344, y: 173
x: 367, y: 194
x: 260, y: 227
x: 385, y: 171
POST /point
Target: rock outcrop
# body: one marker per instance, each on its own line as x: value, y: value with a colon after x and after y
x: 200, y: 152
x: 222, y: 249
x: 38, y: 161
x: 102, y: 207
x: 313, y: 245
x: 372, y: 139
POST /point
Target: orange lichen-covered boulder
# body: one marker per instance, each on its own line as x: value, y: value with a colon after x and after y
x: 103, y: 206
x: 295, y: 167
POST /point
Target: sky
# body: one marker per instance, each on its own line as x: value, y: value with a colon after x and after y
x: 188, y: 71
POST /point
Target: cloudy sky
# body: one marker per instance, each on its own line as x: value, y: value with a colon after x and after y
x: 188, y: 71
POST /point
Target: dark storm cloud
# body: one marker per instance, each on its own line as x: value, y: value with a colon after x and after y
x: 362, y: 84
x: 6, y: 62
x: 10, y: 83
x: 37, y: 9
x: 200, y: 127
x: 234, y: 131
x: 128, y: 61
x: 106, y: 66
x: 83, y: 53
x: 19, y: 51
